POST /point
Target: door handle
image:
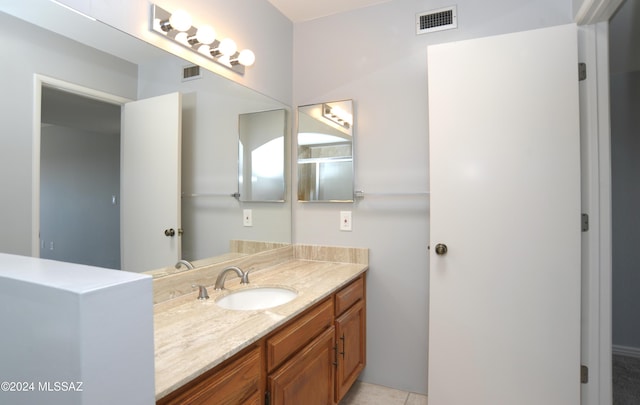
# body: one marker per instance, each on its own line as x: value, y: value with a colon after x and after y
x: 169, y: 232
x: 441, y: 249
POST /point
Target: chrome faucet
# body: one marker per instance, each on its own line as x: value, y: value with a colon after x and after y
x: 244, y: 277
x: 184, y: 262
x: 202, y: 292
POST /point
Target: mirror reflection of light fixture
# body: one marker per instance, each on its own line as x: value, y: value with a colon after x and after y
x: 246, y: 57
x: 226, y: 47
x: 205, y: 35
x: 178, y: 26
x: 337, y: 115
x: 180, y: 20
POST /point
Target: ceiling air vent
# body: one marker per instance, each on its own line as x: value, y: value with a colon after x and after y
x: 437, y: 20
x: 191, y: 72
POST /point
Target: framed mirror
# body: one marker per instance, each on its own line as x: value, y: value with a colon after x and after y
x: 325, y: 152
x: 110, y: 61
x: 261, y: 155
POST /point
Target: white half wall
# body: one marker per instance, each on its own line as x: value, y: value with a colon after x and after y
x: 67, y: 325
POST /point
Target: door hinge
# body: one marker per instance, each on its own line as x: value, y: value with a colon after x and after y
x: 584, y: 374
x: 267, y: 398
x: 585, y: 222
x: 582, y: 71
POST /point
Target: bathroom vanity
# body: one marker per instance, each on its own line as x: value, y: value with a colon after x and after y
x: 310, y: 349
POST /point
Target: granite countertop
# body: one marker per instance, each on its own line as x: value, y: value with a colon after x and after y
x: 193, y: 336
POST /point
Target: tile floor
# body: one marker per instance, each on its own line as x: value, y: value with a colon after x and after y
x: 370, y: 394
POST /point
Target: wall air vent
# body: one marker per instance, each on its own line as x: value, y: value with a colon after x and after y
x: 437, y: 20
x: 191, y: 72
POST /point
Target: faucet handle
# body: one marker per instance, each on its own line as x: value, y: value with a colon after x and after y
x: 202, y: 292
x: 245, y: 277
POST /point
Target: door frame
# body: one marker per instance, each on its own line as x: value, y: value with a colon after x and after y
x: 594, y: 11
x: 594, y: 16
x: 595, y: 135
x: 38, y: 82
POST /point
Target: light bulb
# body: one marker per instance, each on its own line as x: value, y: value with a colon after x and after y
x: 205, y: 50
x: 246, y: 57
x: 183, y: 38
x: 227, y: 47
x: 206, y: 35
x: 180, y: 20
x: 225, y: 60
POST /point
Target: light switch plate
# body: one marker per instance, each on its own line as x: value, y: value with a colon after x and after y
x: 345, y: 220
x: 247, y: 217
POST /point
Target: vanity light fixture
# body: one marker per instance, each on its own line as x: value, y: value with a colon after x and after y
x: 337, y: 115
x: 178, y: 27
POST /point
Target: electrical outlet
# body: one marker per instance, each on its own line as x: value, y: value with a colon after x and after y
x: 247, y: 217
x: 345, y: 220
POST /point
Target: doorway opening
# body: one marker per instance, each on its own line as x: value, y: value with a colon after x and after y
x: 76, y: 173
x: 625, y: 196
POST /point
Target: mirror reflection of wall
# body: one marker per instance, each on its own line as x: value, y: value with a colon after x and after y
x: 261, y: 155
x: 211, y: 217
x: 132, y: 70
x: 79, y: 179
x: 325, y: 151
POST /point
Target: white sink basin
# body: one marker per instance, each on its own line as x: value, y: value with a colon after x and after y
x: 256, y: 298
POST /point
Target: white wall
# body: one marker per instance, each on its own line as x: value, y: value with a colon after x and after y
x: 27, y: 52
x: 625, y: 169
x: 374, y: 56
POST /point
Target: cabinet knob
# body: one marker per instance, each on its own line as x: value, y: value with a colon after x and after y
x: 169, y: 232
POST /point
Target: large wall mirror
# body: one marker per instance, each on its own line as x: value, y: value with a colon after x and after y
x: 325, y: 151
x: 79, y: 216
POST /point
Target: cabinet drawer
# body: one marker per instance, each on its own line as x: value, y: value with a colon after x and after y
x: 349, y: 295
x: 301, y: 331
x: 238, y: 382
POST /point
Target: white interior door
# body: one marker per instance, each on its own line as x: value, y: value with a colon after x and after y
x: 504, y: 317
x: 150, y: 183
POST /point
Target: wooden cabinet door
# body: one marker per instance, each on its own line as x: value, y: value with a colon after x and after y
x: 350, y: 333
x: 308, y: 377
